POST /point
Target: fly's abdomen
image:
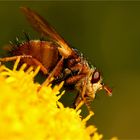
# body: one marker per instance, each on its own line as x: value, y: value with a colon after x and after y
x: 43, y: 51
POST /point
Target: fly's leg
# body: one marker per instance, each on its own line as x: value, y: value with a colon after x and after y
x: 87, y: 103
x: 91, y: 113
x: 36, y: 62
x: 81, y: 99
x: 84, y: 96
x: 12, y: 58
x: 74, y: 79
x: 79, y: 102
x: 42, y: 68
x: 52, y: 74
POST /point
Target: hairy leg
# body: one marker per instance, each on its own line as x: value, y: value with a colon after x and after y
x: 12, y: 58
x: 52, y: 74
x: 74, y: 79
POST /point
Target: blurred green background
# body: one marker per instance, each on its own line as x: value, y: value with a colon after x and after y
x: 108, y: 33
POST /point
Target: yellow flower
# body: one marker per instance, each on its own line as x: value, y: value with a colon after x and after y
x: 29, y: 114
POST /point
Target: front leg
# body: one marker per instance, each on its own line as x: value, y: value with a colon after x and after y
x: 82, y: 98
x: 79, y: 102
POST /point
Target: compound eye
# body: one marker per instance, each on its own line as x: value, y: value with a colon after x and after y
x: 95, y: 77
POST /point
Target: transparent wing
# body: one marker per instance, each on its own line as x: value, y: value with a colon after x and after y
x: 46, y: 29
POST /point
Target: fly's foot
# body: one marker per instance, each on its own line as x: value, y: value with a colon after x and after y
x: 91, y: 113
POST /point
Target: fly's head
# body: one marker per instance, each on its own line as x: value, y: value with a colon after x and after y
x: 97, y: 84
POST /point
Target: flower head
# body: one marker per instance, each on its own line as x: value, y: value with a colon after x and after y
x: 27, y: 113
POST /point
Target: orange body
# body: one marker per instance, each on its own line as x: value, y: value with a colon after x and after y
x: 44, y: 51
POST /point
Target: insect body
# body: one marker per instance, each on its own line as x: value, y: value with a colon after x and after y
x: 58, y: 60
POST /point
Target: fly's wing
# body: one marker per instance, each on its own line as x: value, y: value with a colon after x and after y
x: 46, y: 29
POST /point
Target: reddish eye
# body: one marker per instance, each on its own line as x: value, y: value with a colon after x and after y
x: 95, y: 77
